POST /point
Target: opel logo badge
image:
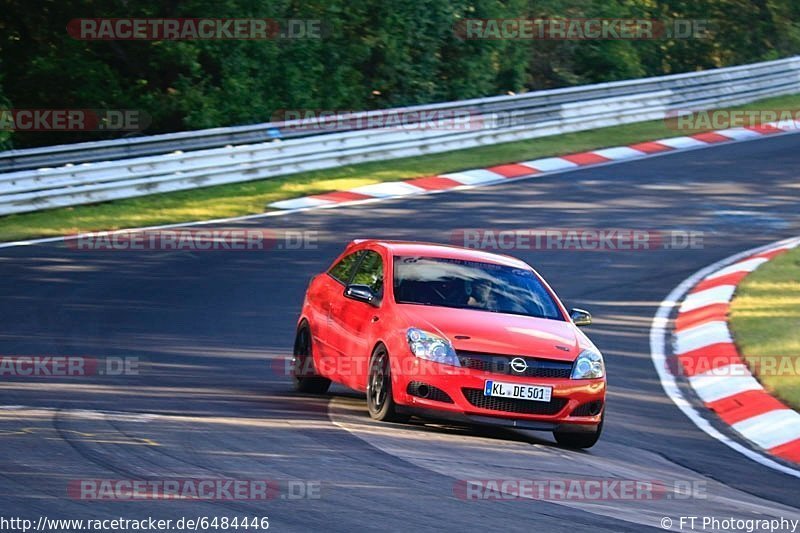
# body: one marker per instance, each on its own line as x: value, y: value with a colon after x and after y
x: 519, y: 365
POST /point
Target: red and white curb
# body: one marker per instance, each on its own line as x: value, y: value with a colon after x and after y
x: 500, y: 173
x: 528, y: 169
x: 710, y: 360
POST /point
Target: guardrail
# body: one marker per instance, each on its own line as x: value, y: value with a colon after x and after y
x: 110, y: 170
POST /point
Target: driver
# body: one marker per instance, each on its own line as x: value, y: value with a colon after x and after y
x: 481, y: 294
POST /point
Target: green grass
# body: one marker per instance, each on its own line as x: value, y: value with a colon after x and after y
x: 765, y: 320
x: 252, y: 197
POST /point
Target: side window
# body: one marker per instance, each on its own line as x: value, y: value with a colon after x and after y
x: 342, y: 270
x: 370, y: 272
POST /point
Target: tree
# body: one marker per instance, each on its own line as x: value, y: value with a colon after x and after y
x: 374, y: 54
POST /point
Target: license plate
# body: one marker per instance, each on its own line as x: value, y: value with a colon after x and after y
x: 502, y: 389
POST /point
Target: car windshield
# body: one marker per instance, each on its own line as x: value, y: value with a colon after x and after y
x: 472, y: 285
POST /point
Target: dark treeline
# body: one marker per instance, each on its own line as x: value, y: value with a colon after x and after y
x: 373, y: 54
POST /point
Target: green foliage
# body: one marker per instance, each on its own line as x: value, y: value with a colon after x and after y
x: 374, y: 54
x: 5, y: 135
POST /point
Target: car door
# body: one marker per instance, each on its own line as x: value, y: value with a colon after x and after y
x: 330, y: 292
x: 353, y: 321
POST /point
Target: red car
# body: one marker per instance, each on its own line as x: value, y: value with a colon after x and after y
x: 454, y: 333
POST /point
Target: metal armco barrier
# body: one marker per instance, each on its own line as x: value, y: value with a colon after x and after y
x: 66, y: 175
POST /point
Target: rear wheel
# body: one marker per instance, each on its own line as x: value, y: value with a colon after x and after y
x: 380, y: 401
x: 585, y: 439
x: 303, y: 372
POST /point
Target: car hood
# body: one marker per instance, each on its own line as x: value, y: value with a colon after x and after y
x: 498, y: 333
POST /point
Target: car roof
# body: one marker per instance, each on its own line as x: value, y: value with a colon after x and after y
x: 429, y: 249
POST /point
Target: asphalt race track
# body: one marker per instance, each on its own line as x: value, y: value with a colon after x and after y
x: 208, y: 403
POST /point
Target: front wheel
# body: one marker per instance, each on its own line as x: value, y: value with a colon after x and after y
x: 303, y: 373
x: 380, y: 402
x: 580, y: 440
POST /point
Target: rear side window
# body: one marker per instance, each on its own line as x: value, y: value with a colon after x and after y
x: 370, y: 272
x: 342, y: 270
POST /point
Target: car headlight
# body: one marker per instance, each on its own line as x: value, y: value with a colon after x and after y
x: 426, y: 345
x: 588, y: 365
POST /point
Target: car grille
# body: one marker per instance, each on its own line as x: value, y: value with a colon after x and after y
x: 417, y: 388
x: 501, y: 364
x: 511, y: 405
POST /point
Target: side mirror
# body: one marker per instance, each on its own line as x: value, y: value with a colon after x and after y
x: 580, y: 317
x: 362, y: 293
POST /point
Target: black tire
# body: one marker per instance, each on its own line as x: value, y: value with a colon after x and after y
x: 580, y: 440
x: 380, y: 401
x: 303, y: 373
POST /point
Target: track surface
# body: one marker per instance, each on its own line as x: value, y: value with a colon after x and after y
x: 207, y: 322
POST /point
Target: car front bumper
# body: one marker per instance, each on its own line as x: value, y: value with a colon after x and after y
x: 457, y: 394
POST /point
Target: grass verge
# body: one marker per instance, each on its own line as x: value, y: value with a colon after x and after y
x: 252, y: 197
x: 765, y: 320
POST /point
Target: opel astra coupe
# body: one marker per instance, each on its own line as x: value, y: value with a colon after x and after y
x: 454, y: 333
